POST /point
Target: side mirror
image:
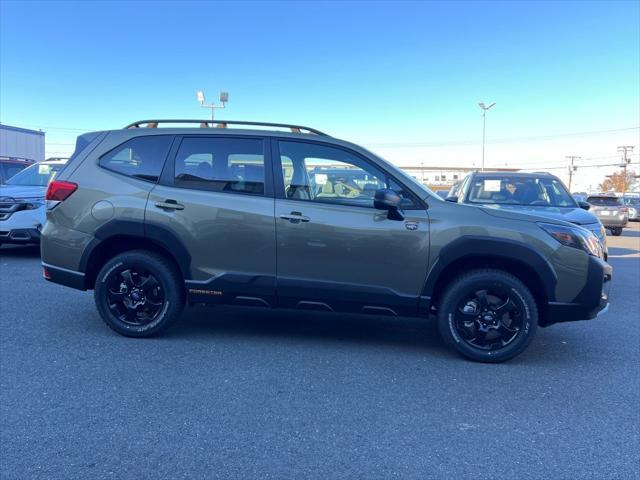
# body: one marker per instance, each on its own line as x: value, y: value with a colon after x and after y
x: 388, y: 200
x: 584, y: 205
x: 451, y: 199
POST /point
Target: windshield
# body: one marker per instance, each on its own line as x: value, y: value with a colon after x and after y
x: 36, y: 175
x: 540, y: 191
x: 632, y: 201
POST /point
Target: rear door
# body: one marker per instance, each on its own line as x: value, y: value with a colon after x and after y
x: 216, y: 195
x: 335, y: 251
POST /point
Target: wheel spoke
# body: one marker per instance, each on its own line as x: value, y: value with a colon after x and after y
x: 116, y: 296
x: 506, y: 307
x: 481, y: 295
x: 506, y: 332
x: 148, y: 283
x: 128, y: 277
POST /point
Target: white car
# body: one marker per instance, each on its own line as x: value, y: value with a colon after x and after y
x: 22, y: 203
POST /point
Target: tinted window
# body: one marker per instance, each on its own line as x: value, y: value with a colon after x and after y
x: 519, y: 190
x: 604, y: 201
x: 221, y: 164
x: 10, y: 169
x: 332, y: 175
x: 140, y: 157
x: 39, y: 174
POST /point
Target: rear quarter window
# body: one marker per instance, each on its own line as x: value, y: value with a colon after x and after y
x: 140, y: 157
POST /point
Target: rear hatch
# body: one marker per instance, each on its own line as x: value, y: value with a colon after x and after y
x: 605, y: 207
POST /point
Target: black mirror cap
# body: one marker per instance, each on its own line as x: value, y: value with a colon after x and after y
x: 584, y: 205
x: 451, y: 199
x: 386, y: 199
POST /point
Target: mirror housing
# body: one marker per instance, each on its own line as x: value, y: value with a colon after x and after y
x: 385, y: 199
x: 584, y: 205
x: 451, y: 199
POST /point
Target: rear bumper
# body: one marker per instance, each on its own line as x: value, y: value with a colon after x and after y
x: 63, y: 276
x: 609, y: 222
x: 591, y: 302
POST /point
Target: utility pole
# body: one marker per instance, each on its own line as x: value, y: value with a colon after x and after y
x: 571, y: 158
x: 484, y: 124
x: 625, y: 161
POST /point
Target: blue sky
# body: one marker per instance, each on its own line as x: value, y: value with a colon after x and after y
x: 383, y: 74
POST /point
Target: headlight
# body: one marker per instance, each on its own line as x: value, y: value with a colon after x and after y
x: 574, y: 237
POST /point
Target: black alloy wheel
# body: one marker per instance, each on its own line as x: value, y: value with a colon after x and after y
x: 139, y: 293
x: 487, y: 315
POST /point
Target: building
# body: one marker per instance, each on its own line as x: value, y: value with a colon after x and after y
x: 443, y: 178
x: 21, y: 143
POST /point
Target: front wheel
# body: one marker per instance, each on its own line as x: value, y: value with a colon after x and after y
x: 488, y: 316
x: 139, y: 293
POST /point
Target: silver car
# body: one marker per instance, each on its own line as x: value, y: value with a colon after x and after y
x: 610, y: 211
x: 22, y: 203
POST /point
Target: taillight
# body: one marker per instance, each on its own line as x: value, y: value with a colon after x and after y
x: 60, y: 190
x: 624, y: 210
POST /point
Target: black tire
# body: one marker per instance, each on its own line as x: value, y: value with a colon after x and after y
x: 467, y: 329
x: 616, y: 232
x: 144, y: 301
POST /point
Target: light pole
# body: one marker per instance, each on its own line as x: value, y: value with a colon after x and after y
x: 484, y: 123
x: 224, y: 98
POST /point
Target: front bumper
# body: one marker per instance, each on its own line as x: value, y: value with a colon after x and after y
x: 591, y: 302
x: 21, y: 226
x: 20, y: 236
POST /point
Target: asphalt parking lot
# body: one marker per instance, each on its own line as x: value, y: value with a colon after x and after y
x: 245, y: 394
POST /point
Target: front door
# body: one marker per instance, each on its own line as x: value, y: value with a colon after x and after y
x: 334, y: 250
x: 215, y: 196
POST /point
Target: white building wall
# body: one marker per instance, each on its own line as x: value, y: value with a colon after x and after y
x: 21, y: 143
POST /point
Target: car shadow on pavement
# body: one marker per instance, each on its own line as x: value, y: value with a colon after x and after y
x: 246, y: 322
x: 20, y: 251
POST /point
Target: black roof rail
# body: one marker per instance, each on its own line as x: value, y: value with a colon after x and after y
x: 224, y: 123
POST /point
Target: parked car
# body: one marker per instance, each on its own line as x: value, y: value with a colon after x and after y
x: 611, y: 212
x: 633, y: 206
x: 10, y: 166
x: 22, y: 203
x: 540, y: 194
x: 153, y: 218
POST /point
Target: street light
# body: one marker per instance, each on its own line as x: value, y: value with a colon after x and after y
x: 224, y: 98
x: 484, y: 122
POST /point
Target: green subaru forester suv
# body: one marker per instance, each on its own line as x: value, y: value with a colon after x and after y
x: 154, y: 217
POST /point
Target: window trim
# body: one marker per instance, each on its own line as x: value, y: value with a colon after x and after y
x: 167, y: 177
x: 279, y: 180
x: 164, y: 163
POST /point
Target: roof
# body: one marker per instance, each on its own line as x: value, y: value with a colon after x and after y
x: 21, y: 130
x: 492, y: 173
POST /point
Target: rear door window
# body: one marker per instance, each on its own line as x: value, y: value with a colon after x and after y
x: 221, y: 164
x: 140, y: 157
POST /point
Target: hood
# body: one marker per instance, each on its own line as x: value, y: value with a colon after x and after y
x: 23, y: 192
x: 574, y: 215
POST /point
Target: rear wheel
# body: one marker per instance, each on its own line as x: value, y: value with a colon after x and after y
x: 488, y: 316
x: 616, y: 231
x: 139, y: 293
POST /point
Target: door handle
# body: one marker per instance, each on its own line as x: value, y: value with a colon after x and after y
x: 169, y: 205
x: 295, y: 217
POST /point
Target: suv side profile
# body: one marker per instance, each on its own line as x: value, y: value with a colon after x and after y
x: 154, y: 219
